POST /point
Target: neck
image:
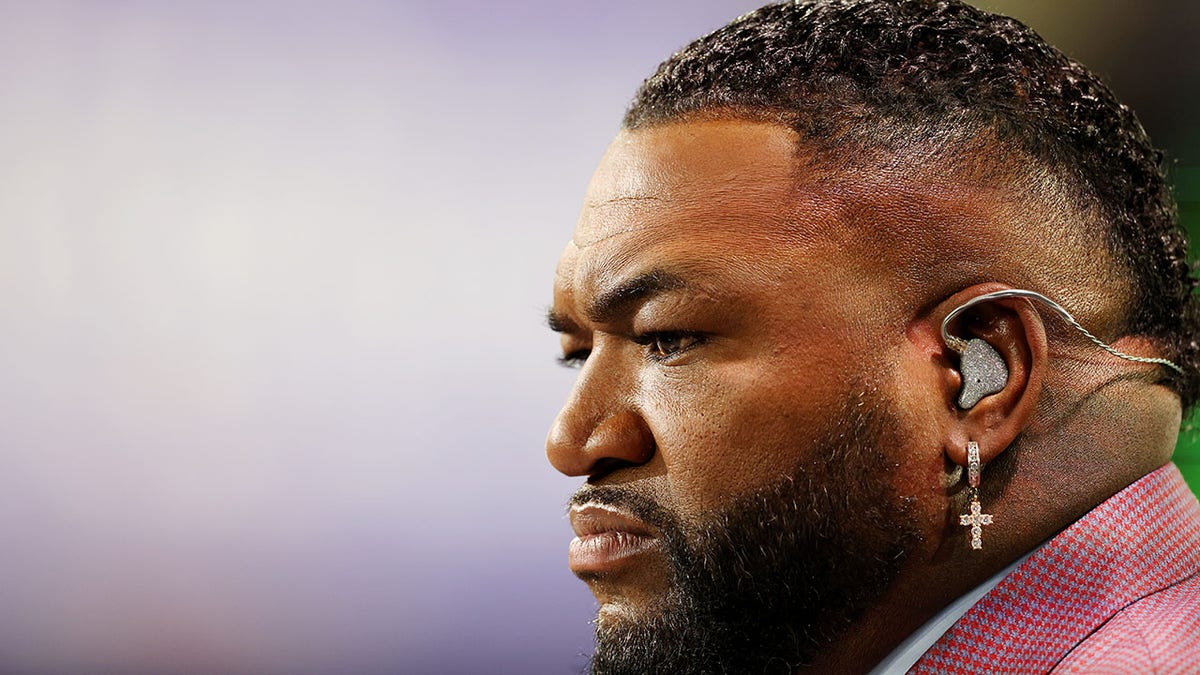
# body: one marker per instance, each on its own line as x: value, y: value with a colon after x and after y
x: 1081, y: 462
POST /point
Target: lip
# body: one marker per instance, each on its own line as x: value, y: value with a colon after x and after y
x: 606, y: 539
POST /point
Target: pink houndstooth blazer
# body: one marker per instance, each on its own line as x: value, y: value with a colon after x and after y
x: 1116, y: 592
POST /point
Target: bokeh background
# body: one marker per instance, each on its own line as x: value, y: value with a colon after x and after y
x: 273, y: 376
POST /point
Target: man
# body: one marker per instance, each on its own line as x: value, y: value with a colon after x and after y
x: 782, y: 469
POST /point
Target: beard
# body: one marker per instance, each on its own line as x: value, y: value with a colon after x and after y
x: 765, y: 583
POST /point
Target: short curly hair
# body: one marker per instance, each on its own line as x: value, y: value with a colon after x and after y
x: 826, y: 67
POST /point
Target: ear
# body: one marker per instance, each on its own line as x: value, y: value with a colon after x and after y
x: 1013, y: 327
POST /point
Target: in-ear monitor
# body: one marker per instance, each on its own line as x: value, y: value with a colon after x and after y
x: 984, y: 371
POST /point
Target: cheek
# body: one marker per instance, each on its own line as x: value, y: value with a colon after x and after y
x: 726, y: 431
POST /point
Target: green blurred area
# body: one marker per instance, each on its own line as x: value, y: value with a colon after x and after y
x: 1187, y: 449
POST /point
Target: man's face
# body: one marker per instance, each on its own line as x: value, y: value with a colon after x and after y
x: 734, y: 382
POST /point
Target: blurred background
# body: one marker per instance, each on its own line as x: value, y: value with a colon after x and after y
x: 274, y: 380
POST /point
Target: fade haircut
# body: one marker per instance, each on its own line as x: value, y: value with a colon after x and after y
x: 860, y: 75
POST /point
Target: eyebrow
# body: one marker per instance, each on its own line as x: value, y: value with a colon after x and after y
x: 559, y: 323
x: 619, y: 299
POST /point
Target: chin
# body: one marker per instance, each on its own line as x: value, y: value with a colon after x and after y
x: 630, y: 608
x: 618, y: 614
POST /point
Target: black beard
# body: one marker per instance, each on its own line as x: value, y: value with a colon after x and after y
x: 763, y: 585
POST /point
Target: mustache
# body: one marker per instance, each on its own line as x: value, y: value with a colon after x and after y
x: 634, y: 502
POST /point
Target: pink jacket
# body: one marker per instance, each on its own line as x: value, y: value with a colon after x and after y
x: 1116, y: 592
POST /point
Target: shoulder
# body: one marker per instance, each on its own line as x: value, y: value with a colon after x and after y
x: 1158, y: 633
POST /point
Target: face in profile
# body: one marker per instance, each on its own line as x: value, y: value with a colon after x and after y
x: 733, y: 414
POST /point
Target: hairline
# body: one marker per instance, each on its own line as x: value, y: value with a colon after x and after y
x: 962, y: 158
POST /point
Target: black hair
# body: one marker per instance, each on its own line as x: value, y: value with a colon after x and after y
x: 851, y: 73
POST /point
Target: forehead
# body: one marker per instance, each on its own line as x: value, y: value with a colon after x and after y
x: 702, y: 171
x: 692, y: 192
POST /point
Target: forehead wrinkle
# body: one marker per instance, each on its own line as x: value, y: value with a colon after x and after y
x: 745, y: 206
x: 607, y: 201
x: 735, y: 183
x: 582, y: 244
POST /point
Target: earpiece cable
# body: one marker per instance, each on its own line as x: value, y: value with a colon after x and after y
x: 958, y: 344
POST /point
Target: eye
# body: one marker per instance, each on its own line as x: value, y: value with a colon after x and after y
x: 662, y: 346
x: 574, y: 359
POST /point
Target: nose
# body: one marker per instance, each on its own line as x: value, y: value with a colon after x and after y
x: 598, y: 430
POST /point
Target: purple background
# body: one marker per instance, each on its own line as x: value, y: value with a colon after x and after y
x: 273, y: 376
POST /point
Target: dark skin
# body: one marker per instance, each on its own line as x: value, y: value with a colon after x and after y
x: 765, y: 283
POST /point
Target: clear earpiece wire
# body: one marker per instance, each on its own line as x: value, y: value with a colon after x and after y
x: 958, y: 344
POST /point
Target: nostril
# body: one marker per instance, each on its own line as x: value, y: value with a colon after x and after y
x: 607, y: 465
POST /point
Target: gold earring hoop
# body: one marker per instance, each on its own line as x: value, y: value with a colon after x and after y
x: 975, y: 518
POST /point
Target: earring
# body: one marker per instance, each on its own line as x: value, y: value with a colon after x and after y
x: 976, y: 519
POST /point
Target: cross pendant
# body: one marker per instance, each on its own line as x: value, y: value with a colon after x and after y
x: 976, y: 519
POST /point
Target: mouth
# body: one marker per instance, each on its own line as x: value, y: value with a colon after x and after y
x: 606, y: 539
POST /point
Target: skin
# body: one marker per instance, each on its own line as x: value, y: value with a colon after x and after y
x: 788, y: 285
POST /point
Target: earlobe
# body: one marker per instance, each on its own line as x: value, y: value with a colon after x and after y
x: 1001, y: 365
